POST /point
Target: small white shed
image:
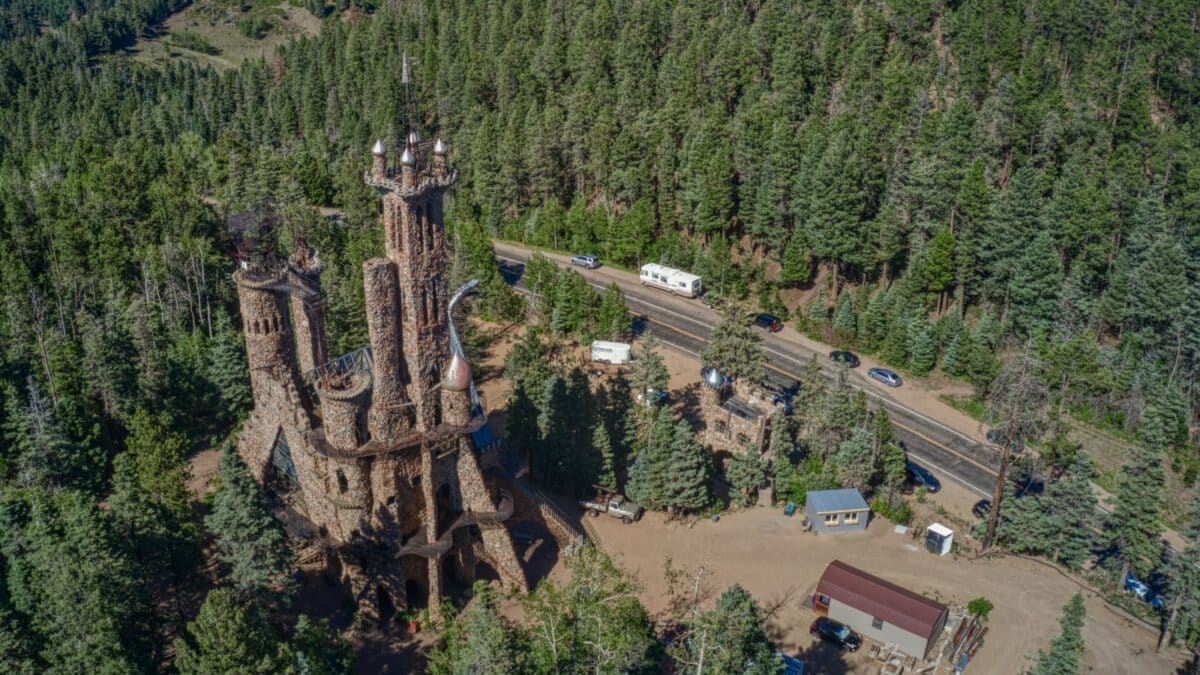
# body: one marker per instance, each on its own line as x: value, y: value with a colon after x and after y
x: 610, y: 352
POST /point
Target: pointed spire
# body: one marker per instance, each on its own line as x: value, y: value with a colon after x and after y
x: 439, y: 148
x: 407, y: 158
x: 405, y: 74
x: 457, y: 376
x: 414, y: 138
x: 377, y: 149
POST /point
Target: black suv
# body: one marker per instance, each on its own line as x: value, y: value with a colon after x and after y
x: 769, y: 322
x: 837, y: 633
x: 919, y: 475
x: 848, y: 358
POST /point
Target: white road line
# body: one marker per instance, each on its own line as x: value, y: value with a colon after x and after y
x: 880, y: 397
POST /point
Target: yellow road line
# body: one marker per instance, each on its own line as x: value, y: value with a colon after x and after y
x: 907, y: 428
x: 990, y: 471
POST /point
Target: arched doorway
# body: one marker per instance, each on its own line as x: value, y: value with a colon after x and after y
x: 414, y: 594
x: 387, y: 608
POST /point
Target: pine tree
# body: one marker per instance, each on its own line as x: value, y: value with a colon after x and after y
x: 480, y: 640
x: 647, y: 474
x: 845, y: 321
x: 520, y: 422
x: 729, y: 638
x: 922, y: 351
x: 227, y: 371
x: 649, y: 370
x: 612, y: 319
x: 856, y: 461
x: 67, y: 571
x: 735, y: 347
x: 1065, y: 655
x: 319, y: 650
x: 746, y: 474
x: 794, y: 268
x: 602, y: 444
x: 1035, y: 284
x: 227, y: 637
x: 688, y: 472
x: 251, y: 542
x: 1136, y: 523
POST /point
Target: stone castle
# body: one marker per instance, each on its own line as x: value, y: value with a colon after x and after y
x: 372, y: 452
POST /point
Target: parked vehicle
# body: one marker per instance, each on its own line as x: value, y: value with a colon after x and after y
x: 982, y: 508
x: 591, y: 262
x: 791, y: 664
x: 1144, y: 592
x: 676, y: 281
x: 768, y: 322
x: 888, y: 377
x: 615, y: 505
x: 838, y: 633
x: 920, y: 476
x: 848, y: 358
x: 610, y: 352
x: 652, y: 396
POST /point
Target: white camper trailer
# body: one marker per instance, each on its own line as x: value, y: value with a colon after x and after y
x: 610, y: 352
x: 669, y: 279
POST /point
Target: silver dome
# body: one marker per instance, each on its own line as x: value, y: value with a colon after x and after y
x: 413, y: 138
x: 439, y: 148
x: 713, y: 378
x: 407, y: 158
x: 377, y: 149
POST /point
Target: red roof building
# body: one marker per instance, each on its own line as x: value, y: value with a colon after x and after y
x: 879, y: 609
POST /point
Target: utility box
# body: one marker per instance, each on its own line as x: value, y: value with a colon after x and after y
x: 938, y: 539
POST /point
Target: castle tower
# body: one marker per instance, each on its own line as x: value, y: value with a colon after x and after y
x: 372, y: 451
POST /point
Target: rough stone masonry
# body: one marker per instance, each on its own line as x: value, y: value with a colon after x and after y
x: 371, y: 454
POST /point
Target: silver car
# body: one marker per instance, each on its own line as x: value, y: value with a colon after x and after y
x: 591, y: 262
x: 888, y: 377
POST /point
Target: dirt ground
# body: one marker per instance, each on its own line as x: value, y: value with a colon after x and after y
x: 1028, y: 596
x: 768, y: 554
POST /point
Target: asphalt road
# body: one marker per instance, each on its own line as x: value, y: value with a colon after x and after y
x: 946, y: 452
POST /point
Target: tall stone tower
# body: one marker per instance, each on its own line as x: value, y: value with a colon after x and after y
x: 372, y: 452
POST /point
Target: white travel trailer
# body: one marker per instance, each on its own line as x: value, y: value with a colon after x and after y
x: 670, y: 279
x: 610, y: 352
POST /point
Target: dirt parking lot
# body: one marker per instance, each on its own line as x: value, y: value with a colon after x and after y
x: 768, y: 554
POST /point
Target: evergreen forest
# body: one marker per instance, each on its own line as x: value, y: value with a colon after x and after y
x: 941, y: 183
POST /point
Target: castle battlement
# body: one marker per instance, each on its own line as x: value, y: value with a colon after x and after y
x: 374, y: 448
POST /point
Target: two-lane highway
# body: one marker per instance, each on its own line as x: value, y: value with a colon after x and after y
x: 940, y: 448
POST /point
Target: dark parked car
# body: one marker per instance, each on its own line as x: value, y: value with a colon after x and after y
x: 888, y: 377
x: 589, y: 261
x: 982, y: 508
x: 838, y: 633
x: 920, y: 476
x: 848, y: 358
x: 769, y: 322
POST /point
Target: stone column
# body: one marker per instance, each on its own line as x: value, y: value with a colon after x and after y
x: 389, y: 410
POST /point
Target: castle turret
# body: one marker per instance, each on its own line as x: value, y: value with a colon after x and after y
x: 378, y: 161
x: 390, y: 409
x: 264, y: 319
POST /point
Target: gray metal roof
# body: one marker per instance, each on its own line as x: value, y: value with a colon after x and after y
x: 741, y: 408
x: 837, y: 501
